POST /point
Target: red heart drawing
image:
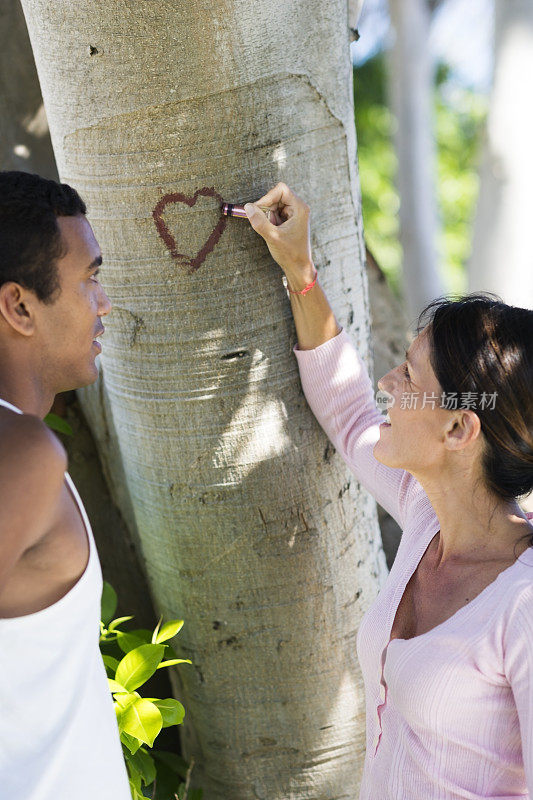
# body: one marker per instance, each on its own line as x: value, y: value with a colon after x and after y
x: 164, y: 233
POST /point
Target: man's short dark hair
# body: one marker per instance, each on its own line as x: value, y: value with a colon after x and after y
x: 30, y: 238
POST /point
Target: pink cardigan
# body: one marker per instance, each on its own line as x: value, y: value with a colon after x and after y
x: 449, y: 713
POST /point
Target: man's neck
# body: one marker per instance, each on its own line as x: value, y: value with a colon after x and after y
x: 26, y: 393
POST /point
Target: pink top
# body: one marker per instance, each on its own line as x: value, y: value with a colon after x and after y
x: 449, y: 713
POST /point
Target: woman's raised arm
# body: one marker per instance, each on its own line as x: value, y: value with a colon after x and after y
x: 287, y: 238
x: 334, y: 379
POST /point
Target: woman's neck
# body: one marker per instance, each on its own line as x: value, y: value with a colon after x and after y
x: 474, y: 523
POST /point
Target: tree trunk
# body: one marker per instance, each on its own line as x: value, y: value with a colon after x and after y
x: 501, y: 249
x: 25, y: 145
x: 390, y: 339
x: 354, y: 12
x: 250, y: 527
x: 24, y: 137
x: 411, y: 100
x: 120, y: 562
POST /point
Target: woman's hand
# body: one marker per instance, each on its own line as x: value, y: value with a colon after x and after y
x: 287, y: 232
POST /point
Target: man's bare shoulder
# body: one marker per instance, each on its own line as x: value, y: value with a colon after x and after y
x: 27, y: 443
x: 32, y: 466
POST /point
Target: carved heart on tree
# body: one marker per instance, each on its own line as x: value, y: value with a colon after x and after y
x: 191, y: 262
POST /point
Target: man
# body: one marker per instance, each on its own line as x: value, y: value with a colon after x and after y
x: 58, y: 733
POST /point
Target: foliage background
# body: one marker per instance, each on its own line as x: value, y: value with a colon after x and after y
x: 460, y: 114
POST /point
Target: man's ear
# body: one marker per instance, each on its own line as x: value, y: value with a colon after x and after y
x: 463, y: 428
x: 17, y: 307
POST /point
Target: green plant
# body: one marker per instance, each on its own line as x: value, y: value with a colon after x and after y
x: 152, y: 773
x: 459, y: 119
x: 57, y: 423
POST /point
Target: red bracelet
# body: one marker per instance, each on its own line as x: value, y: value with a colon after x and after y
x: 306, y: 289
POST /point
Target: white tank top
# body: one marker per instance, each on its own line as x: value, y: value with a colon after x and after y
x: 58, y: 732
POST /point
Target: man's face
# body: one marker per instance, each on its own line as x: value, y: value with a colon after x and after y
x: 67, y: 327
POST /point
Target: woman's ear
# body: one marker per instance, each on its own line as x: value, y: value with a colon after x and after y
x: 463, y: 428
x: 16, y: 307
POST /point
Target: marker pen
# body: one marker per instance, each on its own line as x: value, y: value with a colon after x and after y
x: 233, y: 210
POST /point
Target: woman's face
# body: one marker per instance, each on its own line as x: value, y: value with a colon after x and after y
x: 415, y: 439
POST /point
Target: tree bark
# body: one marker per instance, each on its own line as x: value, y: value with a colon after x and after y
x: 390, y: 339
x: 354, y: 12
x: 249, y: 525
x: 411, y: 101
x: 25, y: 145
x: 24, y: 137
x: 120, y: 562
x: 501, y: 248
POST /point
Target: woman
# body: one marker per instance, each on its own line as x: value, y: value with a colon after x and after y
x: 446, y: 649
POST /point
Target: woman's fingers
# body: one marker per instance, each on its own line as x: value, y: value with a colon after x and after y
x: 283, y: 199
x: 258, y: 219
x: 287, y: 231
x: 276, y: 218
x: 280, y: 193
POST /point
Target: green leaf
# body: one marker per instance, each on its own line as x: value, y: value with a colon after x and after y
x: 171, y: 710
x: 144, y: 634
x: 174, y: 661
x: 58, y: 424
x: 130, y: 742
x: 144, y: 764
x: 128, y: 641
x: 116, y: 687
x: 121, y: 703
x: 134, y: 774
x: 110, y: 663
x: 124, y: 700
x: 109, y: 602
x: 139, y: 665
x: 168, y: 631
x: 172, y: 761
x: 143, y: 720
x: 156, y: 631
x: 171, y: 771
x: 135, y: 779
x: 117, y: 622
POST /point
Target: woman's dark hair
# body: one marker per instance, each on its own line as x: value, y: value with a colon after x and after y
x: 479, y: 344
x: 30, y: 238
